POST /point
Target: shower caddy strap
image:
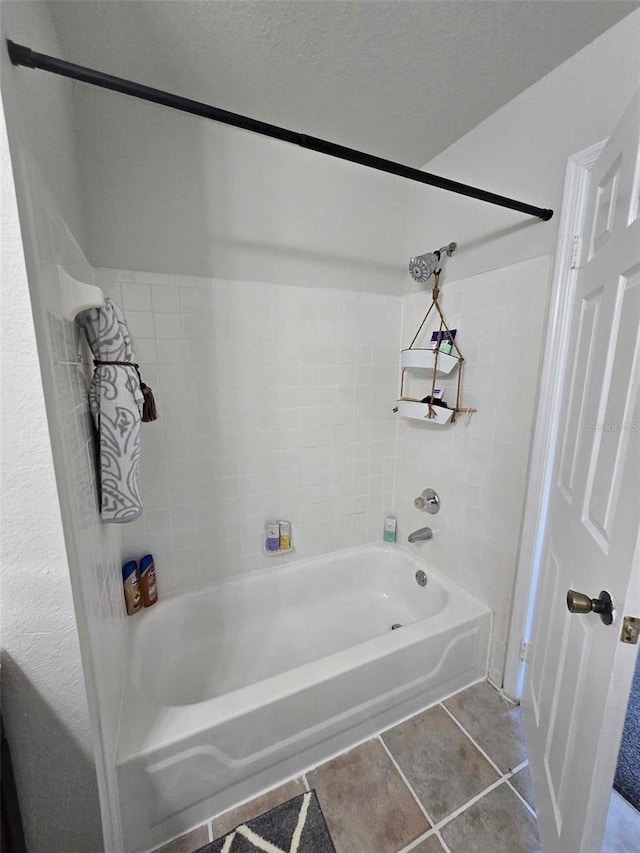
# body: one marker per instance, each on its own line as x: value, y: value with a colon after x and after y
x: 435, y: 303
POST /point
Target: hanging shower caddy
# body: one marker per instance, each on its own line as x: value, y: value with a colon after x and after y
x: 438, y: 364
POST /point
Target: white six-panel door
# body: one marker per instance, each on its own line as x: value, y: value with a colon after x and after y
x: 572, y: 721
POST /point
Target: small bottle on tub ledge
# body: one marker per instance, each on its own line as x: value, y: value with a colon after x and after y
x: 148, y: 585
x: 132, y: 591
x: 277, y: 537
x: 273, y: 536
x: 285, y: 535
x: 390, y: 526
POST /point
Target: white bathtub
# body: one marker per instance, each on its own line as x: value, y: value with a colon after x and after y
x: 234, y: 688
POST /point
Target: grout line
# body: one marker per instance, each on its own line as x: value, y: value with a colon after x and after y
x: 519, y: 795
x: 443, y: 842
x: 431, y: 822
x: 470, y: 803
x: 413, y: 844
x: 518, y: 767
x: 306, y: 782
x: 436, y: 829
x: 477, y: 746
x: 210, y: 829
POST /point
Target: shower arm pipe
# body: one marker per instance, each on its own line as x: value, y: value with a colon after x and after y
x: 21, y: 55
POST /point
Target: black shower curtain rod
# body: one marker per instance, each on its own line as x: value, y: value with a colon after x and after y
x: 21, y: 55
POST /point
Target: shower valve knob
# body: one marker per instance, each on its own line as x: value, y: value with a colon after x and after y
x: 428, y: 501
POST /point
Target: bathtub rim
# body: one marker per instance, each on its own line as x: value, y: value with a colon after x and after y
x: 290, y: 565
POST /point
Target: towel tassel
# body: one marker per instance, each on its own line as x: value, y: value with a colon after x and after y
x: 149, y: 408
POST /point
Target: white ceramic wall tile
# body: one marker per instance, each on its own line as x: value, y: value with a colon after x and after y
x: 165, y: 298
x: 479, y: 469
x: 152, y: 278
x: 137, y: 297
x: 168, y: 325
x: 140, y: 323
x: 265, y: 413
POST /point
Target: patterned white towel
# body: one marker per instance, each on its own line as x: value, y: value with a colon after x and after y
x: 116, y: 404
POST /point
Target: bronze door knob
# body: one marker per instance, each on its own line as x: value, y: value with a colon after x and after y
x: 578, y: 602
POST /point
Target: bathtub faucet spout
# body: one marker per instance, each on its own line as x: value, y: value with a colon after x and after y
x: 421, y: 535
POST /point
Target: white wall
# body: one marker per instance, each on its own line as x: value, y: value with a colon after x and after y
x: 168, y: 192
x: 62, y: 664
x: 478, y: 468
x: 521, y: 151
x: 43, y: 104
x: 276, y: 402
x: 44, y: 703
x: 215, y: 201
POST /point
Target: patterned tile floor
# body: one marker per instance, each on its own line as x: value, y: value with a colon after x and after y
x: 453, y: 778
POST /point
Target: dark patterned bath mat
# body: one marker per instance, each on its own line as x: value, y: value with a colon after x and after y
x: 297, y: 826
x: 627, y: 781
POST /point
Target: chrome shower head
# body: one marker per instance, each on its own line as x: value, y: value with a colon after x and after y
x: 422, y: 267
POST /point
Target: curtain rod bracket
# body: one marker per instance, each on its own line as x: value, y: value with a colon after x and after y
x: 20, y: 55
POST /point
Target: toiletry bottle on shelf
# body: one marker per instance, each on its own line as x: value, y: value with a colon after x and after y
x: 148, y: 584
x: 131, y: 582
x: 273, y: 536
x: 285, y: 535
x: 390, y: 525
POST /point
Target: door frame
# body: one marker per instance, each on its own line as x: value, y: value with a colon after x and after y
x: 545, y: 436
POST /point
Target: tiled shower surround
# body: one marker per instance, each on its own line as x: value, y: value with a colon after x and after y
x: 479, y: 470
x: 276, y: 402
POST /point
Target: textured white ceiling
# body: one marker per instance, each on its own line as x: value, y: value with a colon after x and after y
x: 401, y: 79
